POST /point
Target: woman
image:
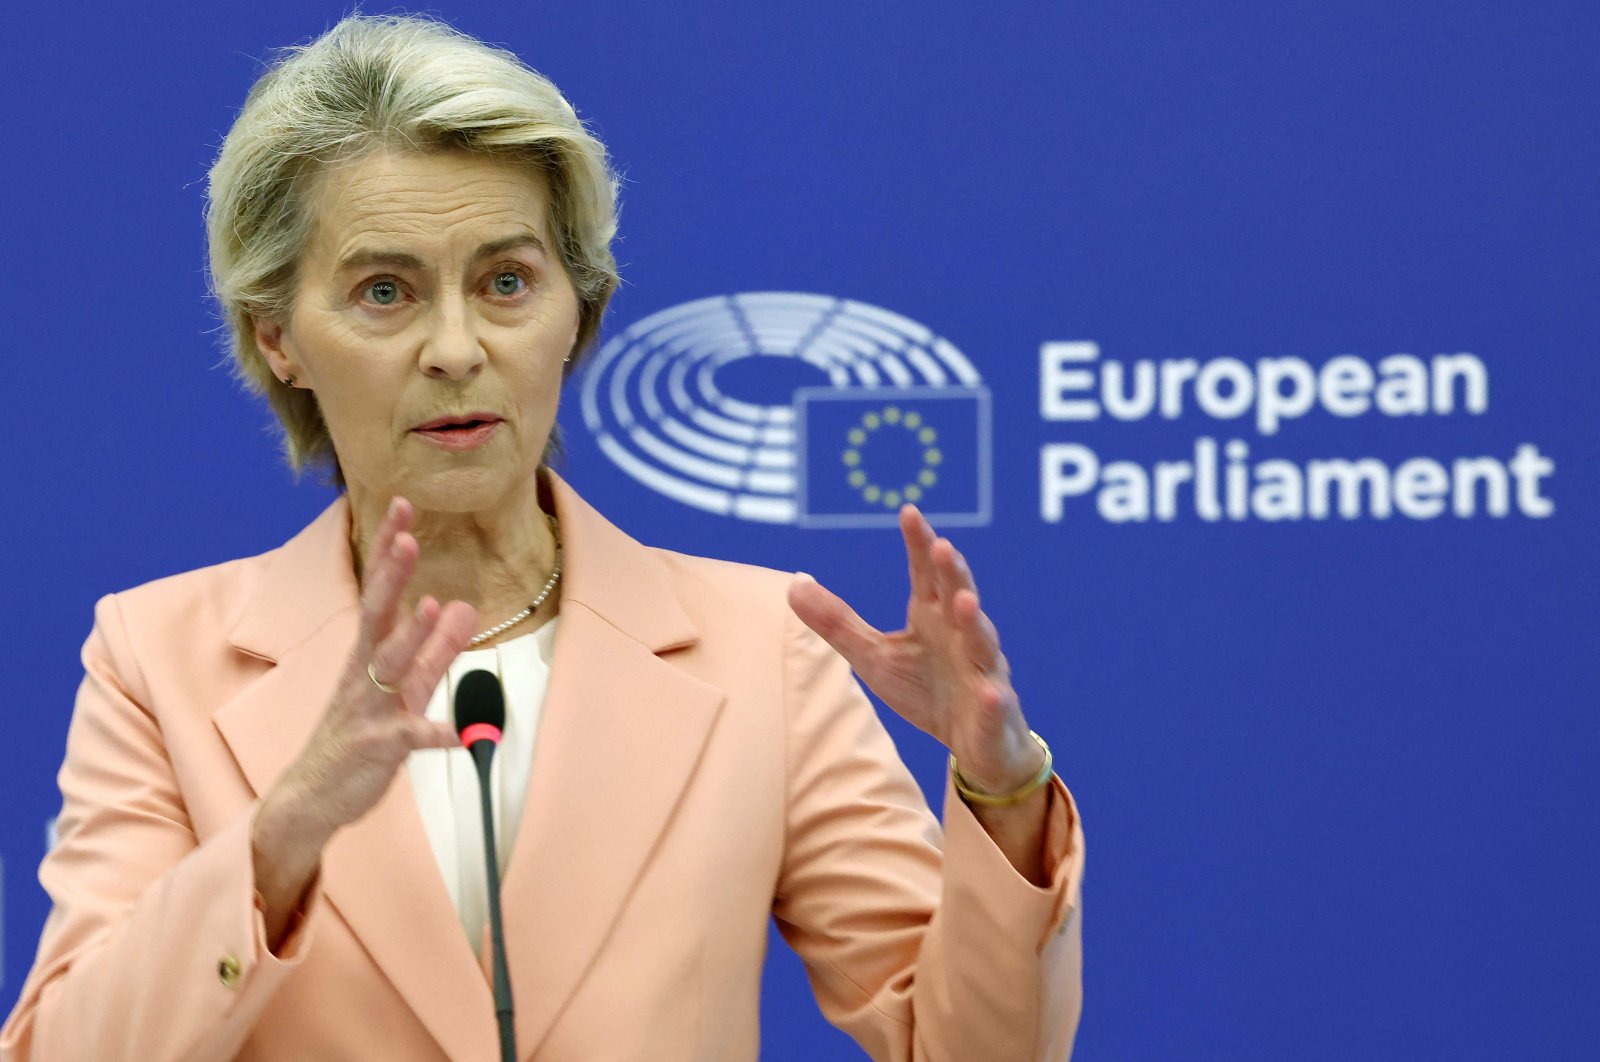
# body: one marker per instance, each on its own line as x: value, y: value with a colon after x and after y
x: 410, y: 235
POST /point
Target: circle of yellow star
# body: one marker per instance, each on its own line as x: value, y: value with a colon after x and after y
x: 907, y: 420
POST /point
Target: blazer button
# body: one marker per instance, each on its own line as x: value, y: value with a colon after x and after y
x: 228, y: 970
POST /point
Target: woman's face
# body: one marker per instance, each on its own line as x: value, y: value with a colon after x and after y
x: 431, y: 320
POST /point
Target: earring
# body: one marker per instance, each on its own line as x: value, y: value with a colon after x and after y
x: 289, y: 380
x: 567, y: 358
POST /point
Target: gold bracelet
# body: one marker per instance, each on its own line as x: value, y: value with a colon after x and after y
x: 1016, y: 796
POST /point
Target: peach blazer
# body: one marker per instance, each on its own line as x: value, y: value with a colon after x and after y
x: 704, y: 761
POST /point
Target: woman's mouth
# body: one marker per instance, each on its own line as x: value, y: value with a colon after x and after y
x: 466, y: 432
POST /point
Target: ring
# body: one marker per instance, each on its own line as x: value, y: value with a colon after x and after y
x: 378, y: 682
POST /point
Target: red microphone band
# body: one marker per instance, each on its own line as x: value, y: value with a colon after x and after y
x: 471, y: 735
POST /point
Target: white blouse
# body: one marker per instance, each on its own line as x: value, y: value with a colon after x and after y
x: 445, y: 781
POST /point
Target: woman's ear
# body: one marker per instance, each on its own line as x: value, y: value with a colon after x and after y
x: 270, y: 340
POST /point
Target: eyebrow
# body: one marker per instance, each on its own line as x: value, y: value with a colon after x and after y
x: 377, y: 256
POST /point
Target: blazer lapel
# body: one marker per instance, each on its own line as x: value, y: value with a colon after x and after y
x: 379, y: 873
x: 620, y: 737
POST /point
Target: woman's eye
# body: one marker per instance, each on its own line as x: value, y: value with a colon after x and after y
x: 507, y: 283
x: 384, y: 292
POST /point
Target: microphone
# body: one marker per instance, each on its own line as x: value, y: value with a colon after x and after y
x: 480, y: 711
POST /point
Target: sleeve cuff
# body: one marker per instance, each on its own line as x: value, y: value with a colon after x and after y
x: 974, y: 862
x: 296, y: 936
x: 236, y: 938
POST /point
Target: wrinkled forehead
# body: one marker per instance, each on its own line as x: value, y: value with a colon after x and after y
x: 431, y: 203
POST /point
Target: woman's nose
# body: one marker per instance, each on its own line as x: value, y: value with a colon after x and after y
x: 452, y: 349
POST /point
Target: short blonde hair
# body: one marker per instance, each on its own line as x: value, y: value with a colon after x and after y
x: 387, y: 82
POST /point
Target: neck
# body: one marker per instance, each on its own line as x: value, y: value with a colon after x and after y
x: 497, y: 561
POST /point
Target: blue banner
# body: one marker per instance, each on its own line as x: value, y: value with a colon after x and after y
x: 1246, y: 350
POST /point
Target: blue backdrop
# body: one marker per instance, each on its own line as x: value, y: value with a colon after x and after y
x: 1338, y: 770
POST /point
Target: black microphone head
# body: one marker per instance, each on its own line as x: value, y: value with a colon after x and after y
x: 480, y: 701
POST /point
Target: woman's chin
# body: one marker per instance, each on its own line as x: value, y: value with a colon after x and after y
x: 464, y: 490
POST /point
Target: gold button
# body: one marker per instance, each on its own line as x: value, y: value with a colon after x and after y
x: 228, y: 970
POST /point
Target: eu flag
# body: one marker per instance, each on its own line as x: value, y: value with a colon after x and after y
x: 864, y: 452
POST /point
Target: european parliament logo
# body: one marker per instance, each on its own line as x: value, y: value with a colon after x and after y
x: 793, y: 408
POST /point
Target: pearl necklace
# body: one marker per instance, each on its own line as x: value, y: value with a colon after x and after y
x: 549, y: 585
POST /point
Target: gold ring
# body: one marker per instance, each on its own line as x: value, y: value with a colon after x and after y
x: 378, y: 682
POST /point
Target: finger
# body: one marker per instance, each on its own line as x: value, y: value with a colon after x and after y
x: 394, y: 655
x: 919, y: 537
x: 396, y: 518
x: 423, y: 733
x: 990, y: 696
x: 951, y: 570
x: 979, y: 639
x: 386, y: 583
x: 450, y: 635
x: 836, y: 622
x: 997, y: 699
x: 993, y: 693
x: 963, y: 571
x: 989, y: 632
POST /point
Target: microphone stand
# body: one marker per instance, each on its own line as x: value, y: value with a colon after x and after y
x: 482, y: 755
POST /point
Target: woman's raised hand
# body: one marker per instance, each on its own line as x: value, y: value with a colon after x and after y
x: 366, y: 731
x: 944, y: 671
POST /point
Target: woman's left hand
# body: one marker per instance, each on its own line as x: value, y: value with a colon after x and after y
x: 944, y: 672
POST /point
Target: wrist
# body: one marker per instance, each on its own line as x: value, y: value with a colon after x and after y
x: 977, y: 792
x: 1018, y: 830
x: 1022, y: 766
x: 286, y: 840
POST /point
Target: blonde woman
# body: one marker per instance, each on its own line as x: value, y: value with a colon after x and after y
x: 266, y: 851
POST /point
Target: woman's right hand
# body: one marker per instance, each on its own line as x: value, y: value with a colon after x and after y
x: 365, y: 733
